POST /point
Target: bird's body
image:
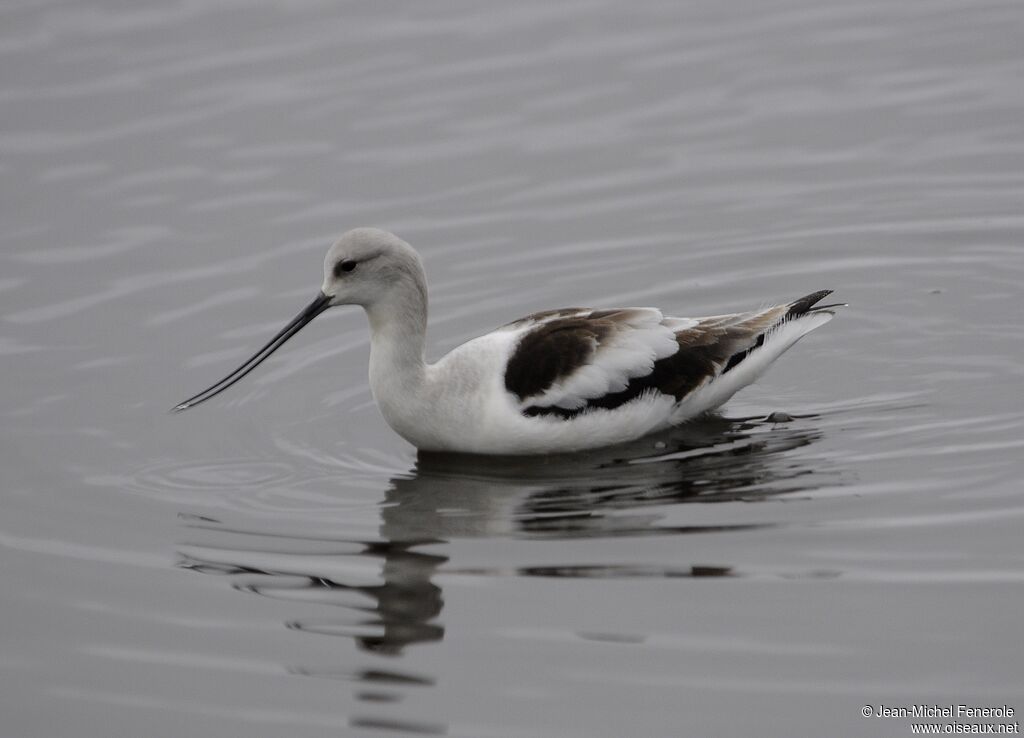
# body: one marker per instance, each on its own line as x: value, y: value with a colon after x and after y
x: 558, y: 381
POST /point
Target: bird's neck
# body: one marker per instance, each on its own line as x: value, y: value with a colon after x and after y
x: 398, y: 322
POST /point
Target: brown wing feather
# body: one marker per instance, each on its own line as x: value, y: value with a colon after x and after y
x: 546, y: 315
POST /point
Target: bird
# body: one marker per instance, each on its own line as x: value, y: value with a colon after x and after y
x: 558, y: 381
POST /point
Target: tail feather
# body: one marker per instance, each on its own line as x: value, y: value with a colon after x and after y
x: 804, y: 305
x: 747, y: 365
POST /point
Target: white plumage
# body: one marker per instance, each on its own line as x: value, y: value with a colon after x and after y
x: 557, y: 381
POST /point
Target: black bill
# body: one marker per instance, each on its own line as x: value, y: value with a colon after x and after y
x: 313, y: 309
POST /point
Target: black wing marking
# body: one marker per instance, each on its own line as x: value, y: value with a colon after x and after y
x: 552, y: 352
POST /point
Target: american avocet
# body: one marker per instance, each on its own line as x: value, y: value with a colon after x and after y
x: 556, y: 381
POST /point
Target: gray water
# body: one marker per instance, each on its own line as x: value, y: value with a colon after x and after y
x: 278, y: 562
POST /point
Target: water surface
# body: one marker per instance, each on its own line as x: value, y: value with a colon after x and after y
x: 278, y: 562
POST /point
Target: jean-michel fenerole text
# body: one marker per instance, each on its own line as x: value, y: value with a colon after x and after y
x: 949, y: 711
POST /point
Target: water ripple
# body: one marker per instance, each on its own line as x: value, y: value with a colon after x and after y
x: 172, y: 175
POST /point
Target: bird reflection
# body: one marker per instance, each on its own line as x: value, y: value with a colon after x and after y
x: 601, y: 493
x: 383, y: 591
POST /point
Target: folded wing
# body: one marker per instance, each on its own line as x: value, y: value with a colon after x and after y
x: 572, y: 361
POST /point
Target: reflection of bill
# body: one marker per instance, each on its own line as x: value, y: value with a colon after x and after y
x: 386, y: 584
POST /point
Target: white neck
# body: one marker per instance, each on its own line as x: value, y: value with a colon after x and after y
x: 398, y: 324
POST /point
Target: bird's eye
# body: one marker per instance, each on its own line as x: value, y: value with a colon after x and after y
x: 346, y: 265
